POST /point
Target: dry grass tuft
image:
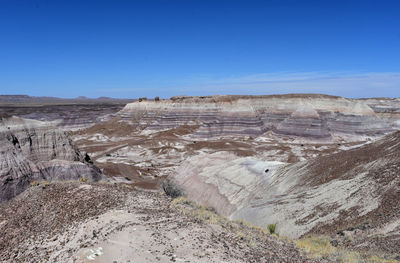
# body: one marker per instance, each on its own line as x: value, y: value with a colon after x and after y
x: 201, y: 212
x: 43, y: 184
x: 35, y: 183
x: 83, y: 179
x: 242, y: 229
x: 321, y: 248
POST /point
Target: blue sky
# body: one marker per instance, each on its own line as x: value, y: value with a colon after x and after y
x: 170, y: 47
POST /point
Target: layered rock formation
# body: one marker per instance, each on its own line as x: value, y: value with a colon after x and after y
x: 67, y: 114
x: 322, y: 195
x: 33, y: 150
x: 68, y: 117
x: 308, y: 116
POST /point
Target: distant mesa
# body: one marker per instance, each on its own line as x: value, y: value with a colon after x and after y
x: 314, y: 116
x: 20, y: 99
x: 82, y: 98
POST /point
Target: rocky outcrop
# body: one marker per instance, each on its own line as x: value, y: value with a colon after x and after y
x: 33, y: 150
x: 311, y: 116
x: 322, y: 195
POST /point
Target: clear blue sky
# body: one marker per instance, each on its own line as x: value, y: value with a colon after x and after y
x: 147, y: 48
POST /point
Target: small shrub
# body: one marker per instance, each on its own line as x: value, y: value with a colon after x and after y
x: 172, y: 189
x: 184, y: 201
x: 35, y: 183
x: 211, y: 209
x: 83, y: 179
x: 201, y: 212
x: 44, y: 184
x: 272, y: 228
x: 157, y: 98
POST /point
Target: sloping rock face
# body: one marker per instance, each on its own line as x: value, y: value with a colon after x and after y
x: 322, y: 195
x: 33, y: 150
x: 310, y: 116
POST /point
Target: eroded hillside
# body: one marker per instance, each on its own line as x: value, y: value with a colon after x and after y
x: 308, y: 164
x: 72, y: 222
x: 355, y: 190
x: 36, y: 151
x: 146, y: 140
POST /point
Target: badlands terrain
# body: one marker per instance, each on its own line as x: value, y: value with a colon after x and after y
x: 67, y: 114
x: 87, y: 181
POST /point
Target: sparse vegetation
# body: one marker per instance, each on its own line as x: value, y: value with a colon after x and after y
x: 157, y: 98
x: 320, y: 247
x: 172, y: 189
x: 272, y: 228
x: 142, y: 99
x: 43, y: 184
x: 202, y: 212
x: 315, y: 247
x: 83, y: 179
x: 243, y: 230
x: 35, y: 183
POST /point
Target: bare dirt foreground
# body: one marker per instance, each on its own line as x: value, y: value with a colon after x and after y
x: 87, y: 222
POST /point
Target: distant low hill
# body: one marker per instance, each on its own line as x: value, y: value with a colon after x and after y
x: 26, y: 99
